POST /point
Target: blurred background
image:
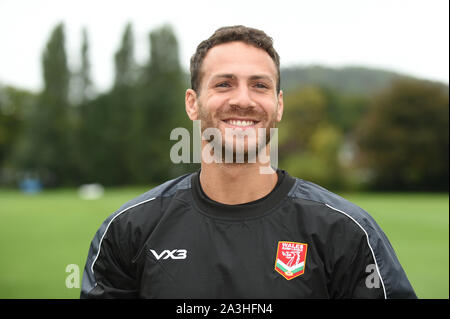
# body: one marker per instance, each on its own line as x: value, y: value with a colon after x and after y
x: 90, y: 91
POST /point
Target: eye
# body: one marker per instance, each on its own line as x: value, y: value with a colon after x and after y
x: 261, y: 86
x: 223, y: 85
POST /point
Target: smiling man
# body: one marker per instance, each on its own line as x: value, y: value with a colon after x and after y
x: 236, y: 90
x: 239, y: 228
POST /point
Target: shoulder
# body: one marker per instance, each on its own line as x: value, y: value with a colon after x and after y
x: 139, y: 215
x: 150, y: 201
x: 336, y: 212
x: 332, y: 204
x: 144, y: 210
x: 393, y: 278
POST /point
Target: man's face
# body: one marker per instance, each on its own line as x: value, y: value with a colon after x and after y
x: 238, y: 93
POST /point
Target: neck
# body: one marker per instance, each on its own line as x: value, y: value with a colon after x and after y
x: 234, y: 184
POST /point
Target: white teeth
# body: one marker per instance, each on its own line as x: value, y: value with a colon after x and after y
x: 240, y: 123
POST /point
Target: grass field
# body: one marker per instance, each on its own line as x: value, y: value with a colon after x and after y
x: 41, y: 234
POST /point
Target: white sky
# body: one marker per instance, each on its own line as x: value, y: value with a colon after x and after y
x: 410, y: 36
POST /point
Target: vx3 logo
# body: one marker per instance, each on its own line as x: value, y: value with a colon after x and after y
x: 174, y: 254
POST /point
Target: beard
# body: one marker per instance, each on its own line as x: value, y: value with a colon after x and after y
x: 239, y: 154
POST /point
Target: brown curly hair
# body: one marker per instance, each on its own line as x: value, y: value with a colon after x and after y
x: 251, y: 36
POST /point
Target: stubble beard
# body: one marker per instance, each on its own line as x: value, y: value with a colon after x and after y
x: 229, y: 147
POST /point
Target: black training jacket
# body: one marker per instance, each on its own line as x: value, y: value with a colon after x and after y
x: 299, y: 241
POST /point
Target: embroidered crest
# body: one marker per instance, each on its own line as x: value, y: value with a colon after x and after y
x: 290, y: 259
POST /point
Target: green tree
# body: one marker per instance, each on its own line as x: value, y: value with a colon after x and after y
x: 14, y: 105
x: 304, y: 111
x: 106, y: 125
x: 310, y: 137
x: 404, y: 138
x: 125, y: 66
x: 99, y: 150
x: 345, y: 110
x: 81, y: 85
x: 86, y: 83
x: 83, y: 94
x: 45, y: 150
x: 122, y: 107
x: 161, y: 108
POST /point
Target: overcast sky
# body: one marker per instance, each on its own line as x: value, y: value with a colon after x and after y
x: 409, y: 36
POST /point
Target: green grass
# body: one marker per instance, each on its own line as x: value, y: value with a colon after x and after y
x: 41, y: 234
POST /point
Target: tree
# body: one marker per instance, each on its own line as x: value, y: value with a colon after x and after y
x: 345, y: 110
x: 404, y: 138
x: 85, y: 73
x: 121, y: 109
x: 81, y: 85
x: 83, y: 94
x: 125, y: 67
x: 14, y: 105
x: 107, y: 122
x: 85, y: 89
x: 46, y: 149
x: 161, y: 109
x: 304, y: 112
x: 309, y: 139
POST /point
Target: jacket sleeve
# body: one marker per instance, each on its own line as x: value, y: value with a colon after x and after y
x: 355, y: 273
x: 108, y: 272
x: 373, y: 270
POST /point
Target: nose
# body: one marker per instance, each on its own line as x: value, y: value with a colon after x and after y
x: 242, y: 98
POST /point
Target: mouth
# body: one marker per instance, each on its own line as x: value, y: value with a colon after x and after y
x: 240, y: 123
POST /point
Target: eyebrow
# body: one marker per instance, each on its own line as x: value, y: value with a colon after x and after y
x: 225, y: 75
x: 253, y: 77
x: 262, y: 77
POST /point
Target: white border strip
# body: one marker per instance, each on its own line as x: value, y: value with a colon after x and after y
x: 368, y: 242
x: 101, y: 240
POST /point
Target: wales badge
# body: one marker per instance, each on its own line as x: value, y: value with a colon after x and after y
x: 290, y: 259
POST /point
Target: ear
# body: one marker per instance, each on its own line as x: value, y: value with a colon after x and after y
x: 280, y: 106
x: 191, y: 104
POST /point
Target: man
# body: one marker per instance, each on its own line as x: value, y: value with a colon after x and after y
x: 240, y: 229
